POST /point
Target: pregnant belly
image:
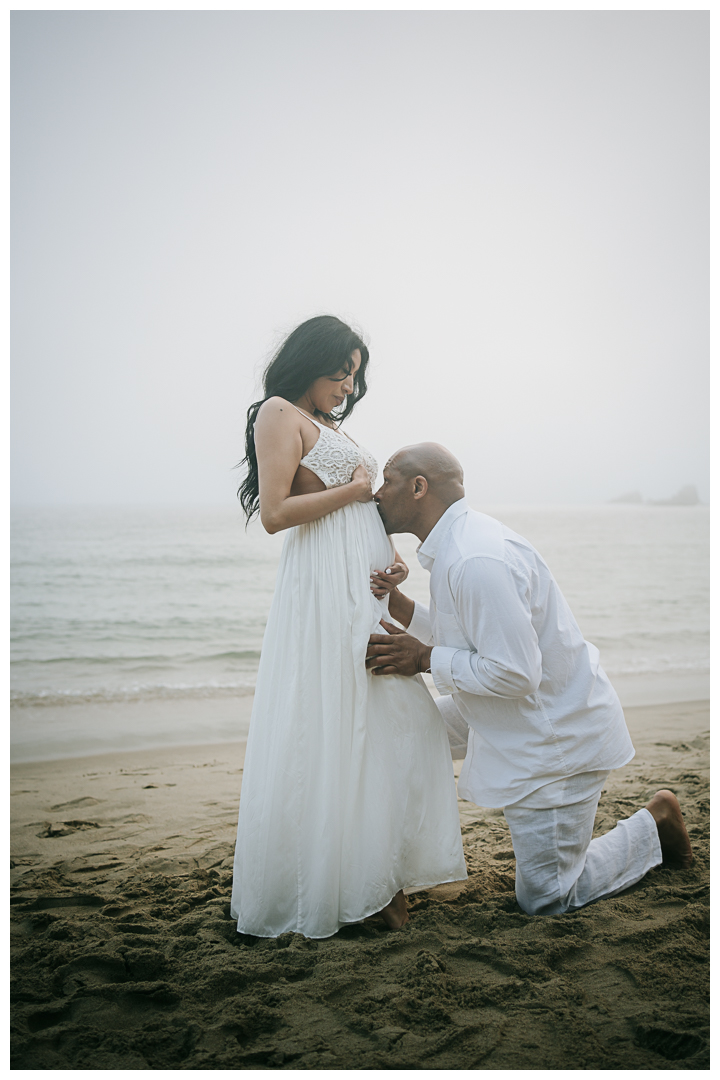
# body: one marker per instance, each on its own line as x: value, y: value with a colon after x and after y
x: 380, y: 548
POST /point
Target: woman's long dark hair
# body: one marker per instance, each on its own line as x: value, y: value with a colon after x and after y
x: 318, y: 348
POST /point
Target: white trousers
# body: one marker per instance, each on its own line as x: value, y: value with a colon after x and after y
x: 559, y: 867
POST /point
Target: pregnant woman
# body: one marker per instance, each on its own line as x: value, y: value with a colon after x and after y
x: 348, y: 794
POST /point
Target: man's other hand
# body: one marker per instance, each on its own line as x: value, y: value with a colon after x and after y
x: 396, y: 653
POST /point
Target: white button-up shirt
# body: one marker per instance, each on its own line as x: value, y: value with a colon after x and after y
x: 506, y: 647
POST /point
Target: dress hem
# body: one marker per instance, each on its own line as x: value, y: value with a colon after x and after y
x: 354, y: 922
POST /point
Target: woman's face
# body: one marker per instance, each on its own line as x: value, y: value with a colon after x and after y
x: 329, y: 392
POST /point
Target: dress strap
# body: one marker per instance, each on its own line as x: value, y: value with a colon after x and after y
x: 309, y: 417
x: 338, y: 431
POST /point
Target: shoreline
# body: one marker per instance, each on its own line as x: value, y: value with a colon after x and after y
x: 646, y: 723
x: 220, y: 720
x: 91, y: 728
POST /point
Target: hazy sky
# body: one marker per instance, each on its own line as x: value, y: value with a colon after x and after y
x: 511, y: 206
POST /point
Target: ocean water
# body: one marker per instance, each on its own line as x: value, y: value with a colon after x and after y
x: 125, y: 607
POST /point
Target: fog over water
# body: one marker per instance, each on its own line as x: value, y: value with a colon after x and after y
x: 512, y: 206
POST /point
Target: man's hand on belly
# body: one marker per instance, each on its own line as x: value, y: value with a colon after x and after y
x: 397, y: 653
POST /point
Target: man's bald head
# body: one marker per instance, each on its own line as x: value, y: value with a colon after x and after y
x: 441, y: 469
x: 421, y: 481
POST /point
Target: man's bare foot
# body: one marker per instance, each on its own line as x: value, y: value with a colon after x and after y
x: 396, y: 912
x: 674, y: 839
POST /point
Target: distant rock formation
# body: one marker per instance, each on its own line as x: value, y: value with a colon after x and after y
x: 686, y: 496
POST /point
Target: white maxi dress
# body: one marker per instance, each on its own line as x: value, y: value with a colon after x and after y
x: 348, y: 792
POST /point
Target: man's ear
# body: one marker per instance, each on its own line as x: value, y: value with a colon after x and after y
x: 420, y: 487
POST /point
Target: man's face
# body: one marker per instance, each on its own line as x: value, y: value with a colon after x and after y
x: 395, y: 500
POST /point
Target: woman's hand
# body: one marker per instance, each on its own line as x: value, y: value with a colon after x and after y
x: 384, y: 581
x: 361, y: 480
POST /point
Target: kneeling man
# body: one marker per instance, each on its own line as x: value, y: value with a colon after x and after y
x: 524, y: 698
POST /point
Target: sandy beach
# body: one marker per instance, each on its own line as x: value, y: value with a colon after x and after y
x: 124, y: 954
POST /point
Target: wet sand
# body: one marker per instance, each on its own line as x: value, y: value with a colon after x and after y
x: 124, y: 955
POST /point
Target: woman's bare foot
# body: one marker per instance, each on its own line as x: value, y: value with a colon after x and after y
x: 674, y: 839
x: 396, y: 912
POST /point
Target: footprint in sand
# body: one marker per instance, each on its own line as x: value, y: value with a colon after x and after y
x: 65, y: 828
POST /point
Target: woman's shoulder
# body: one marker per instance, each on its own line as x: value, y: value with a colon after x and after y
x: 275, y: 404
x: 276, y: 410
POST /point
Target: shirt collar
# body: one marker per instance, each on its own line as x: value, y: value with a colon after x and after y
x: 427, y: 551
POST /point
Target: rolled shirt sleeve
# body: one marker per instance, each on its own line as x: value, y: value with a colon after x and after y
x: 492, y: 608
x: 420, y: 626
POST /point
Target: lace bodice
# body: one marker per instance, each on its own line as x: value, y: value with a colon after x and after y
x: 335, y: 457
